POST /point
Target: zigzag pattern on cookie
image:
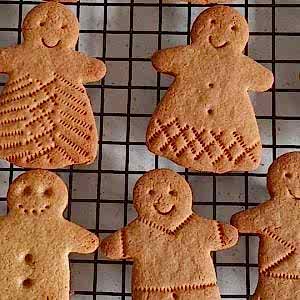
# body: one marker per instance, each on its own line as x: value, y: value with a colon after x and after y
x: 185, y: 287
x: 291, y: 249
x: 59, y: 110
x: 177, y: 138
x: 165, y: 230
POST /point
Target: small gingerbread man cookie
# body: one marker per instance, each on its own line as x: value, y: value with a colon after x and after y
x: 277, y: 224
x: 206, y: 121
x: 170, y: 245
x: 46, y: 119
x: 35, y: 239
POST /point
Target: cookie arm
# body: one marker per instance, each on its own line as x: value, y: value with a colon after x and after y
x: 5, y: 60
x: 257, y: 77
x: 81, y: 240
x: 113, y: 246
x: 91, y: 69
x: 227, y: 236
x: 253, y: 220
x: 168, y: 60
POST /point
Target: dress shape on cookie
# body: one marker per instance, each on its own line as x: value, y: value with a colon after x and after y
x: 46, y: 119
x: 35, y: 239
x: 206, y: 121
x: 170, y: 245
x: 277, y: 223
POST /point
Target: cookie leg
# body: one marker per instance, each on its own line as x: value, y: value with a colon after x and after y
x: 153, y: 295
x: 209, y: 293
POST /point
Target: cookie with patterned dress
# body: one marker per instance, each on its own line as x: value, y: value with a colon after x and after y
x: 45, y: 113
x: 206, y: 121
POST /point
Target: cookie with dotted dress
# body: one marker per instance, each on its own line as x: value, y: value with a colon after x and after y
x: 46, y: 119
x: 206, y: 121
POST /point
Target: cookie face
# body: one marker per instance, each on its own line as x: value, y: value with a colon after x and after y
x: 46, y: 119
x: 51, y: 25
x: 276, y: 222
x: 284, y: 176
x: 164, y: 197
x: 27, y: 197
x: 209, y: 124
x: 35, y: 239
x: 167, y: 235
x: 221, y: 28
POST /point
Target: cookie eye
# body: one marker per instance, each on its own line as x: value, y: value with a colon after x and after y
x: 173, y: 193
x: 42, y: 24
x: 151, y: 192
x: 27, y: 191
x: 288, y: 175
x: 64, y: 26
x: 213, y: 21
x: 234, y: 28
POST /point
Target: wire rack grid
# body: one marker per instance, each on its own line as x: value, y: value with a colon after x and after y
x: 124, y: 34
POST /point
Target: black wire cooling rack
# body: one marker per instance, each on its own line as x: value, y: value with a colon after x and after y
x: 107, y: 187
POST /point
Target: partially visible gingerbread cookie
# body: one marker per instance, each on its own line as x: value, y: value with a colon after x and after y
x: 46, y: 119
x: 170, y: 245
x: 35, y: 239
x: 206, y: 121
x: 277, y: 223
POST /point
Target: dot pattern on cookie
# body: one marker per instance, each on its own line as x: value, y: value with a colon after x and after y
x: 36, y: 240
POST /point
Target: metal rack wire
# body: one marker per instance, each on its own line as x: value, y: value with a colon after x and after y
x: 123, y: 176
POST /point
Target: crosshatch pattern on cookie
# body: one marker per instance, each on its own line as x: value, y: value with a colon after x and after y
x: 174, y: 139
x: 45, y: 114
x: 205, y: 120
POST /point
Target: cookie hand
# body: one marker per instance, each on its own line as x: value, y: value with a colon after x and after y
x: 112, y: 247
x: 228, y: 235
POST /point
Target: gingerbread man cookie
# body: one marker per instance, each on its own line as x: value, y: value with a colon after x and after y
x: 170, y: 245
x: 277, y: 224
x: 46, y: 120
x: 206, y: 121
x: 35, y: 239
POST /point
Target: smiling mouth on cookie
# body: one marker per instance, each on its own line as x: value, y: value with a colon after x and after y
x: 293, y: 195
x: 219, y: 46
x: 164, y: 212
x: 50, y: 46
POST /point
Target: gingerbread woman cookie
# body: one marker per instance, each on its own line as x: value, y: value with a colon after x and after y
x: 170, y: 245
x: 277, y: 224
x: 206, y: 121
x: 35, y: 239
x: 46, y: 120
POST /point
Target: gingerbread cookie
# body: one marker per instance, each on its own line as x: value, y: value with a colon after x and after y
x: 277, y: 223
x: 35, y: 239
x: 169, y: 244
x: 206, y: 121
x: 45, y: 114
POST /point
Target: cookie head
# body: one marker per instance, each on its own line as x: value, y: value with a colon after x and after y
x: 51, y: 25
x: 36, y: 193
x: 284, y: 176
x: 221, y: 28
x: 163, y: 197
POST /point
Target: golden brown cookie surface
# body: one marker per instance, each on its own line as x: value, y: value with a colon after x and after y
x: 35, y: 239
x: 277, y: 223
x: 169, y: 244
x: 206, y: 121
x: 45, y: 114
